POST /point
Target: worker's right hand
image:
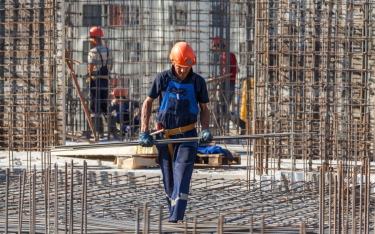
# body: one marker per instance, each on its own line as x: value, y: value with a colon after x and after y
x: 145, y: 139
x: 205, y: 137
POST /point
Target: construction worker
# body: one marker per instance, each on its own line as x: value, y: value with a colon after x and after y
x: 225, y: 98
x: 218, y: 44
x: 124, y: 111
x: 99, y: 66
x: 181, y: 91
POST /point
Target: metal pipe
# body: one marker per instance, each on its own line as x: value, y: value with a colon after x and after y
x: 171, y: 141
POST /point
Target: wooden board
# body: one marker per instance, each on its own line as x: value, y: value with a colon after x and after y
x: 136, y: 161
x: 151, y: 160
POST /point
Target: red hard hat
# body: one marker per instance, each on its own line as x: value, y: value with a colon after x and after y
x: 183, y: 55
x: 119, y: 92
x: 96, y: 32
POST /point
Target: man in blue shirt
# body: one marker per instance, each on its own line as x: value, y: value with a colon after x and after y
x: 180, y: 92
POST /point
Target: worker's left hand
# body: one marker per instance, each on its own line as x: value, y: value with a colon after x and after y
x: 205, y: 137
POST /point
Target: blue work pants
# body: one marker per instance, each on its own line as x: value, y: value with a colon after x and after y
x: 177, y: 172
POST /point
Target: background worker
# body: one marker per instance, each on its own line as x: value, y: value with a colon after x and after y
x: 98, y: 69
x: 125, y: 113
x: 181, y: 91
x: 219, y: 45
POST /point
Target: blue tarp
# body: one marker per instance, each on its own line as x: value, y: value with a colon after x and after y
x: 213, y: 149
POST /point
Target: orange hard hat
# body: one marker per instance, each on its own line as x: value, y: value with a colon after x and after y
x: 183, y: 55
x: 96, y: 32
x: 218, y: 41
x: 119, y: 92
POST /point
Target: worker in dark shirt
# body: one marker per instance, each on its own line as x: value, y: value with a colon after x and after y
x: 181, y: 94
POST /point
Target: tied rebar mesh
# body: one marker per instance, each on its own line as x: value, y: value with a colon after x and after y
x: 78, y: 198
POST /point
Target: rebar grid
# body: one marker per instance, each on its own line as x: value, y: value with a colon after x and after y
x: 313, y: 74
x: 28, y: 112
x: 82, y: 200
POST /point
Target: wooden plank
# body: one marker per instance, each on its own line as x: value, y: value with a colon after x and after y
x: 136, y: 162
x: 140, y: 161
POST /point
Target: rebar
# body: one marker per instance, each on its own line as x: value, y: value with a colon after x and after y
x: 137, y: 199
x: 304, y: 67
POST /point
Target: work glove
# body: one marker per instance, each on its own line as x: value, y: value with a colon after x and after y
x: 205, y: 137
x: 145, y: 139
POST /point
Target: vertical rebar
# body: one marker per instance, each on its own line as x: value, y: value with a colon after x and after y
x: 195, y: 224
x: 354, y: 200
x: 66, y: 198
x: 137, y: 221
x: 84, y: 198
x: 71, y: 215
x: 56, y: 203
x: 186, y: 224
x: 251, y: 222
x: 263, y: 228
x: 33, y: 201
x: 361, y: 196
x: 329, y: 201
x: 21, y: 199
x: 6, y: 199
x: 368, y: 194
x: 302, y: 229
x: 46, y: 175
x: 30, y: 199
x: 321, y: 198
x: 160, y: 218
x: 148, y: 220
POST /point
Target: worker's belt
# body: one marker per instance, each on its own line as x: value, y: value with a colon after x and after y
x: 94, y: 77
x: 169, y: 132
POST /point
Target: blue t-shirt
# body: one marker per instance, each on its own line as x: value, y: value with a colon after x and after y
x: 179, y: 108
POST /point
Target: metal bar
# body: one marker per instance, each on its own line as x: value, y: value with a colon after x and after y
x: 66, y: 198
x: 21, y: 202
x: 6, y: 199
x: 71, y: 200
x: 56, y: 202
x: 171, y: 141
